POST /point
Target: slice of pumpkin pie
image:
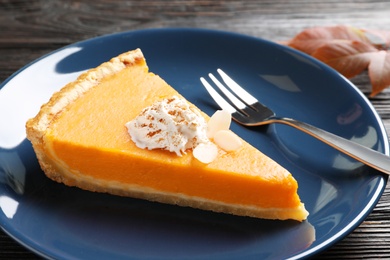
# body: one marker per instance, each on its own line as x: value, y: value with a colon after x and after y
x: 123, y: 130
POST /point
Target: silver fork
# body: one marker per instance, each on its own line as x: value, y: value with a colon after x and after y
x: 248, y: 111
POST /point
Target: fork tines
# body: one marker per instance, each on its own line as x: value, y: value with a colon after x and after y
x: 241, y: 99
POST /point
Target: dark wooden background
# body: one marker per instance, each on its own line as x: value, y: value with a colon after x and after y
x: 32, y: 28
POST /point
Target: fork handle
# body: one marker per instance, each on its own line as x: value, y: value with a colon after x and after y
x: 376, y: 160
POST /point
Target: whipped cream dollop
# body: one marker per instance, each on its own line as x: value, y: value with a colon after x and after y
x: 170, y: 124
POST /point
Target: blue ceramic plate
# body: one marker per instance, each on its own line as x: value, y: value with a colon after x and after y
x: 60, y: 222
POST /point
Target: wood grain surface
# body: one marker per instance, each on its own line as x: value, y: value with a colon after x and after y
x: 32, y: 28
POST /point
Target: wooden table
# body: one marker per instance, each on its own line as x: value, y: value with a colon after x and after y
x: 32, y: 28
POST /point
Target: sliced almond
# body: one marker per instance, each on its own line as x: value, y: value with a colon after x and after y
x: 227, y: 140
x: 205, y: 153
x: 219, y: 121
